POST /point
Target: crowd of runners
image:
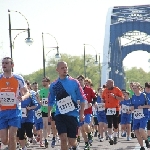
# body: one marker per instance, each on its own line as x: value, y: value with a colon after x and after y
x: 69, y: 109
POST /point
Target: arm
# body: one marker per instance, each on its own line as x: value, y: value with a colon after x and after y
x: 51, y: 100
x: 25, y: 93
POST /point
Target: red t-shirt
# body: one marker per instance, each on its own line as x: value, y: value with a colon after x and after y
x: 89, y: 93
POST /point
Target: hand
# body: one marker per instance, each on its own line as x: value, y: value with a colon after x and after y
x: 81, y: 118
x: 131, y: 108
x: 49, y: 118
x: 128, y: 112
x: 89, y: 105
x: 28, y: 108
x: 140, y: 107
x: 20, y: 98
x: 113, y: 95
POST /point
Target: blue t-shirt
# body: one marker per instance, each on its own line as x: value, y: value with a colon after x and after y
x: 148, y: 96
x: 62, y: 89
x: 126, y: 103
x: 38, y: 114
x: 31, y: 101
x: 99, y: 100
x: 140, y: 101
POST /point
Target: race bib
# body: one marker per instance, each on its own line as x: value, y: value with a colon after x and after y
x: 38, y: 114
x: 44, y: 101
x: 111, y: 111
x: 125, y: 108
x: 7, y: 98
x: 24, y: 112
x: 65, y: 105
x: 101, y: 106
x: 138, y: 114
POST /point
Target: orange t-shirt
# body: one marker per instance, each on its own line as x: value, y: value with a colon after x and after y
x: 110, y: 101
x: 9, y: 90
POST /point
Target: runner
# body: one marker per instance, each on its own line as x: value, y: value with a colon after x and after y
x: 147, y: 92
x: 12, y: 88
x: 140, y: 105
x: 101, y: 115
x: 27, y: 120
x: 65, y: 92
x: 85, y: 125
x: 112, y: 96
x: 44, y: 107
x: 126, y: 115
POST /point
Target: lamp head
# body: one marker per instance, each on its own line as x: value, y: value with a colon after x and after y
x: 29, y: 41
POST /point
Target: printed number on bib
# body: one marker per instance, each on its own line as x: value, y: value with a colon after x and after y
x: 24, y: 112
x: 7, y: 98
x: 44, y: 101
x: 138, y: 114
x: 65, y: 105
x: 101, y: 106
x: 125, y: 108
x: 38, y: 113
x: 111, y: 111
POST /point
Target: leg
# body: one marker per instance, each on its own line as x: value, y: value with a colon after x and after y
x: 63, y: 139
x: 139, y: 138
x: 4, y: 138
x: 12, y: 138
x: 45, y: 127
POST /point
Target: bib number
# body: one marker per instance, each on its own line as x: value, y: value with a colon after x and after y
x: 7, y: 98
x: 138, y: 114
x: 24, y: 112
x: 101, y: 106
x: 125, y: 108
x: 38, y: 114
x: 65, y: 105
x: 111, y: 111
x: 44, y: 101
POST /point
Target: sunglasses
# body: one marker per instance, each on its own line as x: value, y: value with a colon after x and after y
x: 80, y: 79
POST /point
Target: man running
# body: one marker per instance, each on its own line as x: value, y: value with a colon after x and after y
x: 13, y: 90
x: 112, y: 96
x: 64, y: 92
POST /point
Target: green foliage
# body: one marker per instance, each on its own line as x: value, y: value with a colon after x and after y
x: 76, y: 67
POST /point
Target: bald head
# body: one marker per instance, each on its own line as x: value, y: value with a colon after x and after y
x: 62, y: 69
x: 61, y: 63
x: 110, y: 83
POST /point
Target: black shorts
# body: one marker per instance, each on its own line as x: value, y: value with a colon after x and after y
x: 53, y: 116
x: 44, y: 114
x: 95, y: 121
x: 66, y: 124
x: 25, y: 128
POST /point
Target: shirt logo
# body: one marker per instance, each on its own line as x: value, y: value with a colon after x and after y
x: 7, y: 83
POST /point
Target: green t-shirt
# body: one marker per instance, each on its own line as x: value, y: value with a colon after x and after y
x: 131, y: 93
x: 44, y: 94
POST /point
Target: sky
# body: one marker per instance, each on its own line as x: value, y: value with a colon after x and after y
x: 72, y: 23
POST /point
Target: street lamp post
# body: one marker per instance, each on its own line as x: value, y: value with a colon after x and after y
x: 84, y: 58
x: 57, y: 55
x: 28, y: 40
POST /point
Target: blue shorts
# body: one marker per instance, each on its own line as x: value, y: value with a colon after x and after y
x: 140, y: 123
x: 101, y: 118
x: 87, y: 119
x: 39, y: 125
x: 126, y: 118
x: 10, y: 118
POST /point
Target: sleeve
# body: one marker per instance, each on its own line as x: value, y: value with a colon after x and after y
x: 80, y: 93
x: 22, y: 83
x: 51, y: 96
x: 34, y: 101
x: 119, y: 92
x: 103, y: 95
